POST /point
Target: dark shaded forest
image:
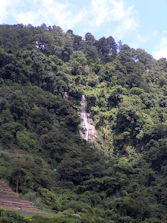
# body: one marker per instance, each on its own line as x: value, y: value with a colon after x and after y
x: 119, y: 178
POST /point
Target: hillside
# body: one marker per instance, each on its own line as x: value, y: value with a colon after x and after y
x: 51, y: 84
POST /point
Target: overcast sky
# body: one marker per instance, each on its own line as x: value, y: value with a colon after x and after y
x: 138, y: 23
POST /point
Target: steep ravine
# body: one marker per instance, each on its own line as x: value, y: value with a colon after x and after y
x: 88, y: 131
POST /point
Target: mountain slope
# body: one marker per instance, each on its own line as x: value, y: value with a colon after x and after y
x: 121, y: 175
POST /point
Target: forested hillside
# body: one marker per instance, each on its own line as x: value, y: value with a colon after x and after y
x: 121, y: 176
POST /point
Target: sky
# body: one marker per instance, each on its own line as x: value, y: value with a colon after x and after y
x: 138, y: 23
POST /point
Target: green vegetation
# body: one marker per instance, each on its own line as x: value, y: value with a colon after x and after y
x: 120, y: 178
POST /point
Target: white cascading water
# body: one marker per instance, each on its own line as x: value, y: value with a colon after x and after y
x: 85, y: 122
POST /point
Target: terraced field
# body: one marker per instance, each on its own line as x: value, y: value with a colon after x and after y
x: 11, y: 200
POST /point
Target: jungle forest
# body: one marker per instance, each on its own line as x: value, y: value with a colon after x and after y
x: 116, y: 174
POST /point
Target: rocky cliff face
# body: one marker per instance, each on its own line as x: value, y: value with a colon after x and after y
x: 88, y: 131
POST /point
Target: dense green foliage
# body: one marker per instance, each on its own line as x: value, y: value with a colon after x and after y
x: 120, y: 178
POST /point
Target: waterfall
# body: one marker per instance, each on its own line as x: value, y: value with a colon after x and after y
x: 84, y: 123
x: 88, y: 131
